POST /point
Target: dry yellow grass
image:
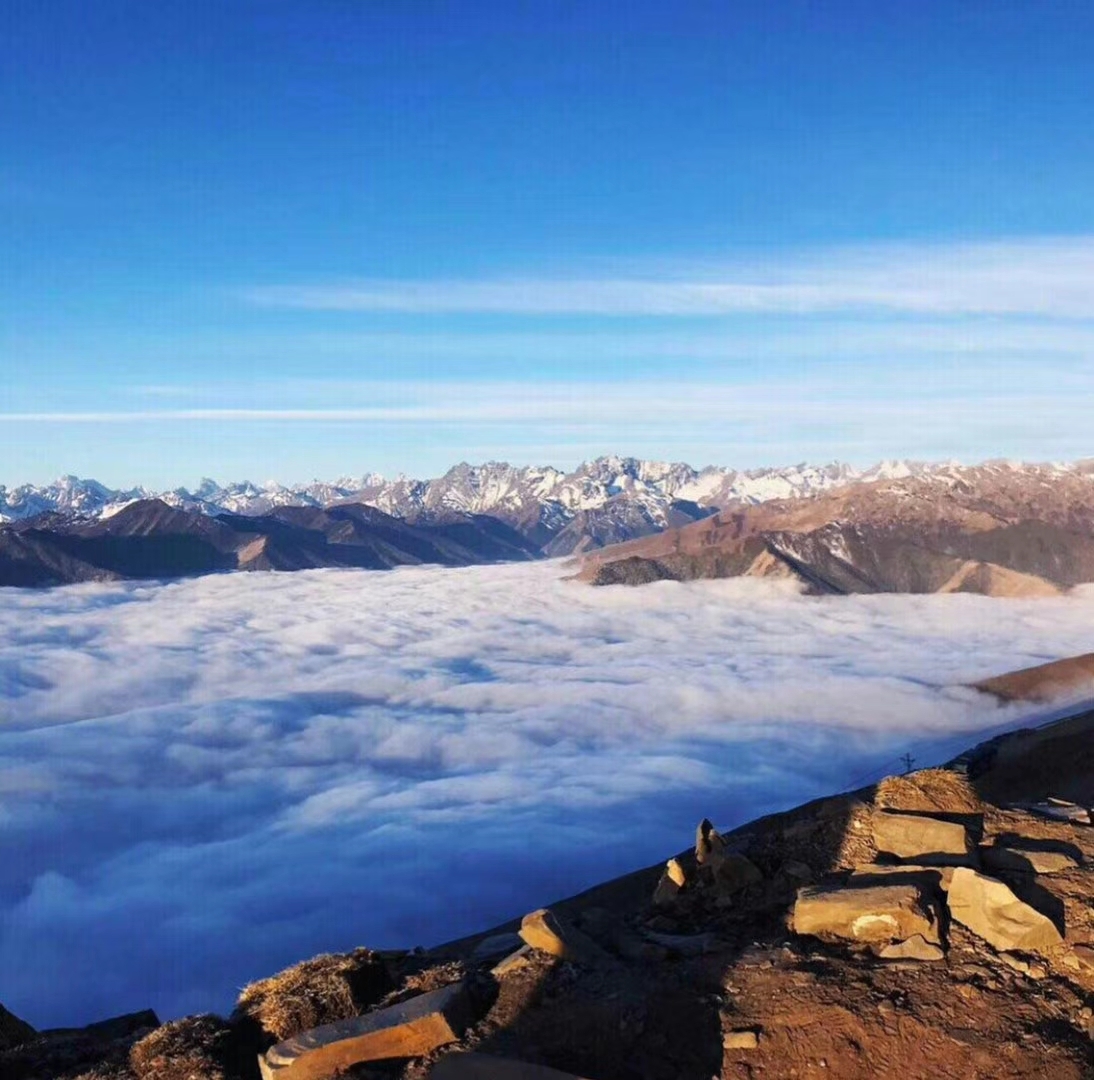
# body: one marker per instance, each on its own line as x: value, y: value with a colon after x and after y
x: 194, y: 1048
x: 929, y: 789
x: 319, y: 991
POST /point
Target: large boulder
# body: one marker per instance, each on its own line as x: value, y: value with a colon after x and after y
x: 550, y: 933
x: 991, y: 911
x: 876, y: 914
x: 921, y: 839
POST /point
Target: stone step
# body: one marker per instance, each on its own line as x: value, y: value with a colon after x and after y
x: 872, y: 913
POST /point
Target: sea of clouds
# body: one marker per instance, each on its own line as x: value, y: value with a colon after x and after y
x: 204, y: 781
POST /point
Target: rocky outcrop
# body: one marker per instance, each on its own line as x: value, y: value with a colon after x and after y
x: 13, y: 1031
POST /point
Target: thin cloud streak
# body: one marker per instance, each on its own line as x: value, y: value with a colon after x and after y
x: 976, y: 392
x: 1045, y: 277
x: 884, y: 342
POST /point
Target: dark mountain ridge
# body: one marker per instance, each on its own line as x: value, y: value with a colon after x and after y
x: 149, y: 539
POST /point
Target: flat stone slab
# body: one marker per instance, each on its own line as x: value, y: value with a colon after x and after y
x: 485, y: 1067
x: 991, y: 911
x: 872, y: 913
x: 410, y: 1029
x: 922, y: 839
x: 1026, y: 860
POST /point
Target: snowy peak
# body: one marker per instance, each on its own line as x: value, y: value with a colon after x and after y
x: 609, y: 498
x: 66, y: 495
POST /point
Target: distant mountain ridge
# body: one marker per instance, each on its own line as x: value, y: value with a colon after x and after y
x: 150, y: 539
x: 605, y: 501
x: 899, y: 526
x: 495, y: 488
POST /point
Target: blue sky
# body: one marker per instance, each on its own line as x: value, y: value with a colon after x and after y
x: 269, y: 239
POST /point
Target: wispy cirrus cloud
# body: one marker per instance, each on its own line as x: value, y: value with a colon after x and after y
x: 972, y: 400
x: 1050, y: 277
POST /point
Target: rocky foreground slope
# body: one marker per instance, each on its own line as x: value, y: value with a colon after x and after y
x: 936, y: 924
x: 999, y: 532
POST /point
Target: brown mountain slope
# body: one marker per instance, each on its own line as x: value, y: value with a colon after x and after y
x: 1054, y: 681
x: 1012, y: 534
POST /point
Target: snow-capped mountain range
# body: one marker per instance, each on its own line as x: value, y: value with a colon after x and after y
x: 477, y: 489
x: 77, y: 530
x: 600, y: 502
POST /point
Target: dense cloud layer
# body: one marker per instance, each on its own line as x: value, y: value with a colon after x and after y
x: 206, y: 780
